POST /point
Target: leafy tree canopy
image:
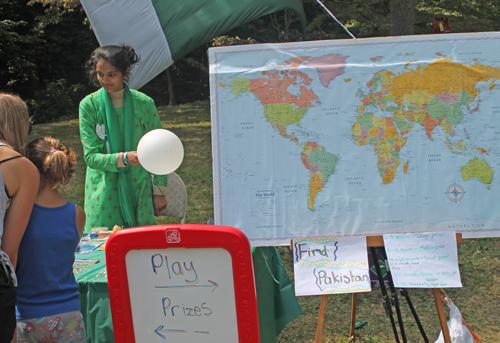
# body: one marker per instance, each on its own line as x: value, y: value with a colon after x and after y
x: 44, y: 44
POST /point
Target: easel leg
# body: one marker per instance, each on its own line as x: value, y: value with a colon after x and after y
x: 321, y: 318
x: 406, y: 295
x: 353, y: 315
x: 441, y: 315
x: 386, y: 301
x: 394, y: 299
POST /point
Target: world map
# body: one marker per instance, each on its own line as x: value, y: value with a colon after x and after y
x: 357, y: 137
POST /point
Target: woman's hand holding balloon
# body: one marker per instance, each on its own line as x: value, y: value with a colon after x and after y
x: 133, y: 159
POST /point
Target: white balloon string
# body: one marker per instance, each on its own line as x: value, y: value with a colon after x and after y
x: 330, y: 13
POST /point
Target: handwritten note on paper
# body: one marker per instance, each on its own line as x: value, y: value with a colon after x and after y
x: 423, y: 260
x: 330, y: 265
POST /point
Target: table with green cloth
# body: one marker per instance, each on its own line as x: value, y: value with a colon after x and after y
x: 276, y: 301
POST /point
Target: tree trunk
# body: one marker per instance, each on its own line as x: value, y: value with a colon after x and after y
x: 170, y: 85
x: 402, y: 17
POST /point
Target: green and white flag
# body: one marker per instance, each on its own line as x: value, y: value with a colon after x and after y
x: 163, y: 31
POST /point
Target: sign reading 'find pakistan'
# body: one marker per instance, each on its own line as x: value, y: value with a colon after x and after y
x: 330, y: 265
x: 363, y: 137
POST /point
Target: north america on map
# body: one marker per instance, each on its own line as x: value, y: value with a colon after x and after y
x: 387, y: 136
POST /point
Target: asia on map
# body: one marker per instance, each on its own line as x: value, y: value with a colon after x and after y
x: 357, y: 137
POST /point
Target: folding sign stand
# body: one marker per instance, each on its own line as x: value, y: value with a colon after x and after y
x: 386, y: 302
x: 395, y: 301
x: 189, y: 283
x: 377, y: 241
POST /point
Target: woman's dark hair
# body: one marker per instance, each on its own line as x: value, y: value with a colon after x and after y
x: 121, y: 57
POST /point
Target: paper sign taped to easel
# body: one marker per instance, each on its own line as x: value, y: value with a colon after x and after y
x: 330, y: 265
x: 423, y: 260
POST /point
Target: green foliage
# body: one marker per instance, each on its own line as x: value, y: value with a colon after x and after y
x: 371, y: 18
x: 463, y: 15
x: 228, y: 41
x: 64, y: 5
x: 42, y: 53
x: 55, y: 101
x: 189, y: 78
x: 45, y: 43
x: 363, y: 18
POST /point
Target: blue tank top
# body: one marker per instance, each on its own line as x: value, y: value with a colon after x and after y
x: 46, y: 284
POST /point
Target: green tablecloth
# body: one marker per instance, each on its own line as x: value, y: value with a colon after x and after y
x: 276, y: 300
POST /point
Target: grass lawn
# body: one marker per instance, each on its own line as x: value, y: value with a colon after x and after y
x: 479, y: 259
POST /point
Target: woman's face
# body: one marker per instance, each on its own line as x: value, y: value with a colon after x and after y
x: 110, y: 77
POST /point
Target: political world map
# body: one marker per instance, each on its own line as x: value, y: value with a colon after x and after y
x: 357, y: 137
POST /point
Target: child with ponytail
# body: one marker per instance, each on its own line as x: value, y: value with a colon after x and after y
x: 48, y: 307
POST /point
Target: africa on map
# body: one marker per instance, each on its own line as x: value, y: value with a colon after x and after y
x: 357, y: 137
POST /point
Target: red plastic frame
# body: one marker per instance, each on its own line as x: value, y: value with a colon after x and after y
x: 191, y: 236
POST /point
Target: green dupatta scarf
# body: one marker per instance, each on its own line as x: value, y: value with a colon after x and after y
x: 120, y: 144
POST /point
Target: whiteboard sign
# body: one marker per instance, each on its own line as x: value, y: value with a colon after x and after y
x: 180, y: 284
x: 189, y: 296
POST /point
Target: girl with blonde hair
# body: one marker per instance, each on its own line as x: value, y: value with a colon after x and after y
x: 18, y: 185
x: 48, y: 305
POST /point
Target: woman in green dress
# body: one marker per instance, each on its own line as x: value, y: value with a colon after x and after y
x: 118, y: 190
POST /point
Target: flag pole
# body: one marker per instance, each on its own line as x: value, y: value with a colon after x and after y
x: 330, y: 13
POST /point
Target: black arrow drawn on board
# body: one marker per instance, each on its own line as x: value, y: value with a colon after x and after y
x: 160, y: 328
x: 213, y: 284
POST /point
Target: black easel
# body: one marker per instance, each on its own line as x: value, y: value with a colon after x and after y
x: 394, y: 299
x: 385, y: 297
x: 378, y: 241
x: 404, y: 292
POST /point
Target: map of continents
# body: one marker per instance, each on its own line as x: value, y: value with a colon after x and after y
x: 282, y: 108
x: 430, y: 96
x: 370, y: 136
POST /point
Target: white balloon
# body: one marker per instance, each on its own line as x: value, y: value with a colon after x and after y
x: 160, y: 152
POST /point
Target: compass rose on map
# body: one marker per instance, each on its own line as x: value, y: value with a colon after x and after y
x: 455, y: 192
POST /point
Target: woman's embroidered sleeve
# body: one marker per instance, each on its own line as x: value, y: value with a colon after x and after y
x: 93, y: 138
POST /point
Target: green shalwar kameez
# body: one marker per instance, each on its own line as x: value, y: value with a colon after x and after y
x: 102, y: 206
